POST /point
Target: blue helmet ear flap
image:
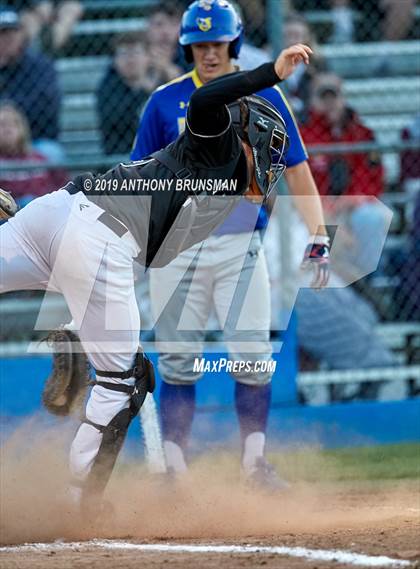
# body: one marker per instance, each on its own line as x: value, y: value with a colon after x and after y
x: 188, y: 54
x: 235, y: 46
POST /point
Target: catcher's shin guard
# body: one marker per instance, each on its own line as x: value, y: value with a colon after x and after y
x: 113, y: 434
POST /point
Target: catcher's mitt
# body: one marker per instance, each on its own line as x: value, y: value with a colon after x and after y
x: 66, y: 387
x: 8, y: 206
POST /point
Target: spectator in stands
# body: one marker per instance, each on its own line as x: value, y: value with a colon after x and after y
x: 255, y: 18
x: 51, y: 22
x: 379, y: 20
x: 299, y: 84
x: 353, y: 178
x: 15, y: 146
x: 410, y: 159
x: 29, y: 79
x: 162, y: 36
x: 124, y: 89
x: 250, y: 56
x: 406, y: 305
x: 387, y: 20
x: 342, y: 17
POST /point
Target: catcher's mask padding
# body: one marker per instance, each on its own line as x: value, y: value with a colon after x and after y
x: 260, y: 124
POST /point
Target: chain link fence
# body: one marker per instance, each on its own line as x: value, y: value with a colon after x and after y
x: 75, y: 75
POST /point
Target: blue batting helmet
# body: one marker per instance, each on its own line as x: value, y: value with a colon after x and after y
x: 213, y: 21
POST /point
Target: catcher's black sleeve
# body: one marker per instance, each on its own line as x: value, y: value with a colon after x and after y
x: 207, y: 112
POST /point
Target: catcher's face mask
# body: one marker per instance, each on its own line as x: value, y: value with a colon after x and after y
x: 265, y: 131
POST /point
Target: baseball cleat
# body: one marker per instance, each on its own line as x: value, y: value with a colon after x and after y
x: 263, y: 477
x: 8, y: 206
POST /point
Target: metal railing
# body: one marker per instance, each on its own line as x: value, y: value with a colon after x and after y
x: 103, y: 161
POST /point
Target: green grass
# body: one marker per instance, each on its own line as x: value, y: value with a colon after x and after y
x: 387, y: 462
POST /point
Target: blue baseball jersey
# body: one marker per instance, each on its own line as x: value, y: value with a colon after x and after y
x: 163, y: 119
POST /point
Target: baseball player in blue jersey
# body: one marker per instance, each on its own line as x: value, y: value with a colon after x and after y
x: 207, y: 275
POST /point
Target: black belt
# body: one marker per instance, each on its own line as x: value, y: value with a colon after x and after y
x: 113, y: 224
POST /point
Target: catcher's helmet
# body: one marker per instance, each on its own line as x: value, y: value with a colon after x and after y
x: 260, y: 124
x: 213, y: 21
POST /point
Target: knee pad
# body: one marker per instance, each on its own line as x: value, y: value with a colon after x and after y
x: 144, y: 381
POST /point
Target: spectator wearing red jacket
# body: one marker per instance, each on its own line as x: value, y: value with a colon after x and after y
x: 15, y: 146
x: 354, y: 178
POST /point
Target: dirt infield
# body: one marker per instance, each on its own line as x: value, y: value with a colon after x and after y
x: 380, y: 518
x: 395, y: 537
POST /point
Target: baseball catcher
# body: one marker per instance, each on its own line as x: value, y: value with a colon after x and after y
x: 81, y: 241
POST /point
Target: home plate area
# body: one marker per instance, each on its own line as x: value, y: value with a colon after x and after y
x: 210, y: 523
x: 117, y: 553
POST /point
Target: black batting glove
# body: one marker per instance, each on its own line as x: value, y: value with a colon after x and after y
x: 317, y: 258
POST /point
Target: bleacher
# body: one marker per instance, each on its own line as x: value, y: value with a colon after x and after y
x: 386, y: 103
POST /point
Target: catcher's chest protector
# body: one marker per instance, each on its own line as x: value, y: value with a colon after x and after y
x: 197, y: 218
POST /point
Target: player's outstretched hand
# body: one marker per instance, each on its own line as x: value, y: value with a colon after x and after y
x: 317, y: 258
x: 290, y: 58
